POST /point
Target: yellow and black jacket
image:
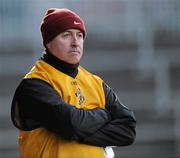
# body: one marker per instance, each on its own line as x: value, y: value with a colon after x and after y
x: 63, y: 111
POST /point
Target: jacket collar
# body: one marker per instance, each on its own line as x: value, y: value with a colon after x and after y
x: 68, y: 69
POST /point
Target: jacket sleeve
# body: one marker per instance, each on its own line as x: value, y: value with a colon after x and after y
x: 120, y: 131
x: 36, y: 104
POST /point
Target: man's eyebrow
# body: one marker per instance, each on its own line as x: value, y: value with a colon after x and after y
x: 66, y: 32
x: 69, y: 31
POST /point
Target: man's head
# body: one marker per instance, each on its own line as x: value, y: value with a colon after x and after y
x: 63, y: 33
x: 58, y: 20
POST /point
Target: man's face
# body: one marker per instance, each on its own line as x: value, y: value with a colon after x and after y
x: 68, y: 46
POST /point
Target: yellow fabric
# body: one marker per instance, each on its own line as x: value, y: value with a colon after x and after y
x: 84, y: 91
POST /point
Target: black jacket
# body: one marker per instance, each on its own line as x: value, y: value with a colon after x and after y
x: 112, y: 126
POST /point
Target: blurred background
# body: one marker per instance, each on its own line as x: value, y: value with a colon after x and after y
x: 134, y: 45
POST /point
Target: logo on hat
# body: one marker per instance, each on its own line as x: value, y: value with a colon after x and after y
x: 76, y: 23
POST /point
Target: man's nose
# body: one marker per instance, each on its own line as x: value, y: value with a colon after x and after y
x: 75, y: 41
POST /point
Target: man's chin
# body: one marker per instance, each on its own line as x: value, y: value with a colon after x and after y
x: 74, y: 62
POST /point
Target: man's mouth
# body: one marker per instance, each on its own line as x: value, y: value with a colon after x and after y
x: 75, y: 52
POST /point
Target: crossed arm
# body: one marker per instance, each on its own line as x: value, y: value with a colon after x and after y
x: 120, y: 131
x: 37, y: 104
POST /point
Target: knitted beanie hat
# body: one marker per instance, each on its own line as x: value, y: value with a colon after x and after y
x: 58, y: 20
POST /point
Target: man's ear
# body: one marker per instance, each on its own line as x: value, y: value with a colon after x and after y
x: 48, y: 46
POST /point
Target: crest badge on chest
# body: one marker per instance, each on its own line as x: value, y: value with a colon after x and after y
x: 79, y: 96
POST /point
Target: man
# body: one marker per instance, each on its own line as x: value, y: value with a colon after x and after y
x: 61, y: 109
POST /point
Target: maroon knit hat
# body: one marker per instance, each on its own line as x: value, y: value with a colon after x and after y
x: 58, y: 20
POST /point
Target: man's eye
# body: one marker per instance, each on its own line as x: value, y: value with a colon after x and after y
x: 80, y: 35
x: 66, y: 34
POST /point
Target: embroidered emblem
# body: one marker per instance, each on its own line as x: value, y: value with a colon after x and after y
x: 76, y: 23
x: 79, y: 96
x: 73, y: 83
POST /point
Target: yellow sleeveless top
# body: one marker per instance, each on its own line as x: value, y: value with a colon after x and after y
x: 83, y: 91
